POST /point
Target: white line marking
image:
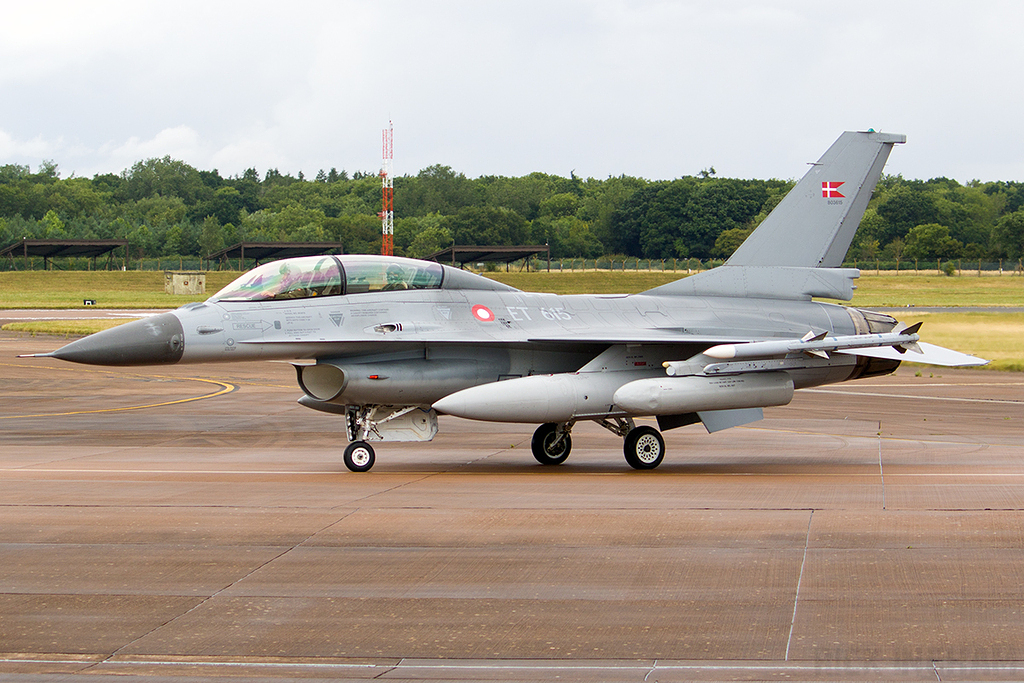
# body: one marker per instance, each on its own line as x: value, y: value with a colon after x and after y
x: 908, y: 396
x: 937, y: 384
x: 796, y: 598
x: 520, y: 665
x: 881, y: 473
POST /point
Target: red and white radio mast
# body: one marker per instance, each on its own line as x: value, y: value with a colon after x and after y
x: 387, y: 212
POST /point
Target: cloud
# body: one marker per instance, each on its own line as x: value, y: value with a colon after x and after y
x: 641, y: 87
x: 36, y: 148
x: 179, y: 142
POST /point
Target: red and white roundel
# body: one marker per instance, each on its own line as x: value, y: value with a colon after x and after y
x: 483, y: 314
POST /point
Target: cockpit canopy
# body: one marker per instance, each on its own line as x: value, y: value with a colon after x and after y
x: 316, y: 276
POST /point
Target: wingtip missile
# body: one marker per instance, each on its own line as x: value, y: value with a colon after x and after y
x: 818, y: 345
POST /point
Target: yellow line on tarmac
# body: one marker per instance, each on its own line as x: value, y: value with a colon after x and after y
x: 226, y: 388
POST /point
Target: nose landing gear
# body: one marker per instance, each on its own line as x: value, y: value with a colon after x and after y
x: 359, y: 456
x: 551, y: 443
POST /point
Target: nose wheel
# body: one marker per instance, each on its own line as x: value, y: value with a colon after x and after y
x: 644, y: 448
x: 551, y: 443
x: 359, y: 456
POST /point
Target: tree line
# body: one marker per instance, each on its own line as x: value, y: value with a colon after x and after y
x: 165, y: 207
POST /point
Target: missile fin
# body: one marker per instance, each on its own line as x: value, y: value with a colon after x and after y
x: 906, y: 330
x: 912, y: 329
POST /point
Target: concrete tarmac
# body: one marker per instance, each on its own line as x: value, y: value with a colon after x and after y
x: 194, y: 521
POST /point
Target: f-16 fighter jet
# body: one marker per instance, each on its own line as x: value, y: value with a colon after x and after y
x: 388, y: 343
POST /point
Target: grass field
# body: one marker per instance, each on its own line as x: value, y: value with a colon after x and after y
x: 872, y: 290
x: 145, y: 289
x: 998, y: 337
x: 110, y: 289
x: 939, y: 290
x: 65, y: 328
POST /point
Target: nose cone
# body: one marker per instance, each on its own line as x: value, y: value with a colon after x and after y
x: 152, y: 341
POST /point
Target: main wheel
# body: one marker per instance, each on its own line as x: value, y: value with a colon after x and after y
x: 644, y: 448
x: 359, y: 456
x: 545, y: 448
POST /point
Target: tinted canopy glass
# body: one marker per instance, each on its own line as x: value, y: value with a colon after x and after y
x: 381, y: 274
x: 314, y: 276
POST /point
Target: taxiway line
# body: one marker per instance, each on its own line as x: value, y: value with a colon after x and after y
x: 527, y: 666
x: 954, y: 399
x: 226, y: 388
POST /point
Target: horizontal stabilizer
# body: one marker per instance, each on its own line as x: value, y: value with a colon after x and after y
x: 929, y: 354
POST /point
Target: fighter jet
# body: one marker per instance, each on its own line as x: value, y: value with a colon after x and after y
x: 389, y: 343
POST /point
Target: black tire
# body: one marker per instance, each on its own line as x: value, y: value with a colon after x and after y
x: 359, y: 456
x: 543, y: 446
x: 644, y: 448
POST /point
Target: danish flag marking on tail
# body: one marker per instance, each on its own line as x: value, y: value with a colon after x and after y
x: 830, y: 190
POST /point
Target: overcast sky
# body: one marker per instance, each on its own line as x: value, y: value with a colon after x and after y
x: 606, y: 87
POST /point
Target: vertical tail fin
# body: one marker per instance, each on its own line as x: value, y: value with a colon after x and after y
x: 813, y: 226
x: 796, y: 252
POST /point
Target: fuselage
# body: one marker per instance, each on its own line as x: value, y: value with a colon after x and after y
x: 416, y: 345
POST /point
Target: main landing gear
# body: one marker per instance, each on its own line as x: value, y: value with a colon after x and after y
x: 643, y: 447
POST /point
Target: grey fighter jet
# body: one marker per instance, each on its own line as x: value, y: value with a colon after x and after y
x: 390, y: 343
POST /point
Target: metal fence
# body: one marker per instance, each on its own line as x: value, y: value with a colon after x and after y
x: 612, y: 264
x: 686, y: 266
x: 84, y: 263
x: 940, y: 267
